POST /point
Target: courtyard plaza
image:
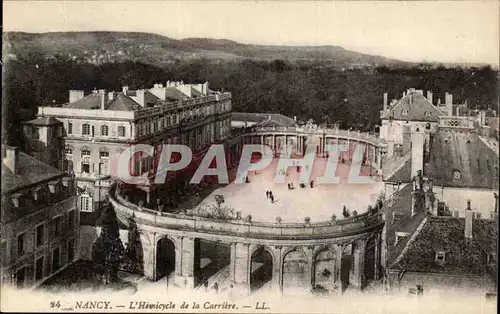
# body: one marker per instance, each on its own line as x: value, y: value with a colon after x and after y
x: 318, y: 203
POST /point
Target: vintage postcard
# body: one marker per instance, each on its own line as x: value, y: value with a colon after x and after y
x: 250, y: 156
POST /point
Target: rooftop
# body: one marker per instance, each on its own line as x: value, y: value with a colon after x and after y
x: 29, y: 171
x: 43, y: 121
x: 399, y: 207
x: 416, y: 105
x: 446, y: 234
x: 454, y: 151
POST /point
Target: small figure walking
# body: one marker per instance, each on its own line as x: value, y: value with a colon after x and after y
x: 216, y: 287
x: 268, y: 194
x: 289, y: 186
x: 272, y: 198
x: 312, y: 184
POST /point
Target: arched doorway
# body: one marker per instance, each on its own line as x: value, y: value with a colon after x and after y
x: 347, y: 265
x: 165, y: 257
x: 261, y: 269
x: 369, y: 263
x: 295, y: 272
x: 325, y: 270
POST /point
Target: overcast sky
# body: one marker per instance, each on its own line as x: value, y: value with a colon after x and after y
x: 446, y: 31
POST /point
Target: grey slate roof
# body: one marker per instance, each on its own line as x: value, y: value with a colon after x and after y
x: 447, y: 234
x: 29, y: 171
x: 416, y: 105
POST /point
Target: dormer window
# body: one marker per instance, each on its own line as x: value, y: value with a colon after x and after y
x: 427, y: 114
x: 15, y: 199
x: 440, y: 257
x: 52, y: 186
x: 405, y: 112
x: 36, y: 192
x: 457, y: 175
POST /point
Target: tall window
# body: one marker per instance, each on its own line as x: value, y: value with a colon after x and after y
x: 71, y: 250
x: 103, y: 168
x: 85, y: 203
x: 40, y: 234
x: 85, y: 152
x: 20, y: 244
x: 86, y: 129
x: 71, y: 219
x: 155, y: 127
x: 85, y: 167
x: 70, y: 128
x: 121, y: 131
x: 104, y: 130
x: 39, y: 268
x: 68, y: 165
x: 55, y: 227
x: 104, y: 154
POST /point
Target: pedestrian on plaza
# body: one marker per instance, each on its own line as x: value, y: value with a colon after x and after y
x: 272, y: 198
x: 267, y: 194
x: 216, y: 287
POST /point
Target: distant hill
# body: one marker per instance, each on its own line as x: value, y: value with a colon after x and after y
x: 153, y: 48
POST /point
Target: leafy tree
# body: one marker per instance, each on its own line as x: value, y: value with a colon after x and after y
x: 107, y: 250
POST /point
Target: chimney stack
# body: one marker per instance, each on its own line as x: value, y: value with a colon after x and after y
x: 75, y: 95
x: 386, y: 98
x: 417, y: 152
x: 469, y: 220
x: 429, y: 96
x: 104, y: 97
x: 10, y: 157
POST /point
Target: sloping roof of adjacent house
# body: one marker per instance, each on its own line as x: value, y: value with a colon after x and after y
x: 91, y: 101
x: 456, y: 151
x: 43, y: 121
x: 122, y: 102
x: 29, y: 171
x: 174, y: 94
x: 397, y: 169
x: 265, y: 119
x: 400, y: 208
x: 446, y: 234
x: 416, y: 106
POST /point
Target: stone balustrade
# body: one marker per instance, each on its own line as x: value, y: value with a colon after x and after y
x: 342, y: 227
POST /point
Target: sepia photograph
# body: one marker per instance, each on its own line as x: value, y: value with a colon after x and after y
x: 250, y: 156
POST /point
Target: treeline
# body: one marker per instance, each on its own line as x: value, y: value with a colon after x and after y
x: 314, y: 90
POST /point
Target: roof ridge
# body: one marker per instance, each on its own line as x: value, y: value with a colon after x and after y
x: 412, y: 239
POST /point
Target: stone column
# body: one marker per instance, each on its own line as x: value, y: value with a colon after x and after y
x: 277, y: 268
x: 338, y: 264
x: 359, y: 263
x: 149, y: 253
x: 187, y: 253
x: 377, y: 257
x: 310, y: 264
x: 240, y: 266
